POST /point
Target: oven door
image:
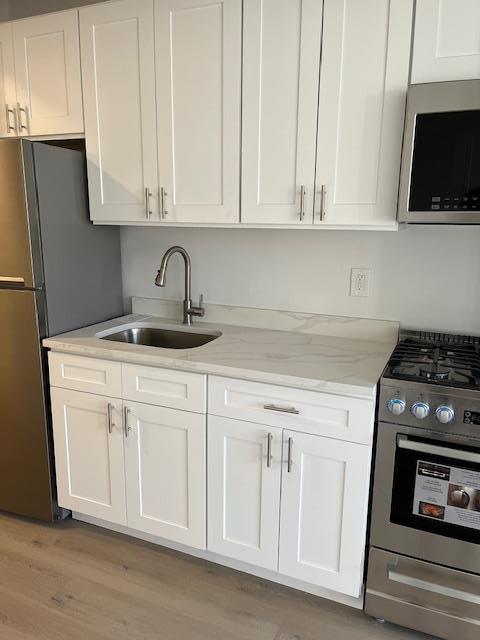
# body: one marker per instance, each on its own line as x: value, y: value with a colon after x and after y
x: 440, y: 179
x: 426, y: 500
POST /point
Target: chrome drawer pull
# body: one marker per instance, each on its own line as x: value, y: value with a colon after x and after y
x: 274, y: 407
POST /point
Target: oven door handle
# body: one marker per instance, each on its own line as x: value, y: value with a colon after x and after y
x: 437, y: 450
x: 426, y: 585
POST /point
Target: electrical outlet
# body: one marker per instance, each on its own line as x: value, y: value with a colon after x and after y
x: 359, y: 282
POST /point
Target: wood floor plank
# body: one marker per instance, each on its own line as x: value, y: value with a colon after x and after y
x: 80, y: 582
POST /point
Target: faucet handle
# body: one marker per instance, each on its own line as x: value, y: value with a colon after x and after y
x: 200, y: 301
x: 197, y: 311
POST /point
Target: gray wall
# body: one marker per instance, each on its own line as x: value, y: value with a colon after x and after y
x: 426, y: 277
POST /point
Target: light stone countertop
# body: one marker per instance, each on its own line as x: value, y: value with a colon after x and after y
x: 328, y: 363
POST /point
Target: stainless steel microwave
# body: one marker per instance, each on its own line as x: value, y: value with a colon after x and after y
x: 440, y: 175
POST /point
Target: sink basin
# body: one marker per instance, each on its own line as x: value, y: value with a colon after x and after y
x: 158, y: 337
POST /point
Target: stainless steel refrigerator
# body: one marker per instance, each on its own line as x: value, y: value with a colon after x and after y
x: 57, y: 272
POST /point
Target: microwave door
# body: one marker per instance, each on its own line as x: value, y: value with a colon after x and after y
x: 445, y: 173
x: 440, y: 177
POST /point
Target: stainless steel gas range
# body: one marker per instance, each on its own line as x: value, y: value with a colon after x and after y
x: 424, y: 556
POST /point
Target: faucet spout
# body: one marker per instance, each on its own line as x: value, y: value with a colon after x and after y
x: 188, y: 309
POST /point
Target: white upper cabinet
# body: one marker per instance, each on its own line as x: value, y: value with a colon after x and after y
x: 165, y: 468
x: 281, y: 58
x: 198, y: 64
x: 447, y: 40
x: 117, y: 46
x: 364, y: 78
x: 47, y: 71
x: 324, y: 511
x: 8, y: 98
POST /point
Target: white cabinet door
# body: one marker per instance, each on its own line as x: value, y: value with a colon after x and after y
x: 119, y: 95
x: 198, y: 62
x: 446, y: 44
x: 8, y: 97
x: 244, y: 468
x: 324, y: 511
x: 364, y: 77
x: 281, y: 57
x: 88, y: 439
x: 47, y: 68
x: 166, y: 472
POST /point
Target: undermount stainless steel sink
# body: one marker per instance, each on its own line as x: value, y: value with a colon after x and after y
x: 159, y: 337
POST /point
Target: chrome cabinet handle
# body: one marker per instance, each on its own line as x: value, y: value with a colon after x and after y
x: 274, y: 407
x: 323, y: 201
x: 126, y: 413
x: 109, y: 417
x: 148, y: 211
x: 302, y: 202
x: 269, y: 450
x: 289, y: 455
x: 163, y: 195
x: 10, y: 111
x: 21, y: 110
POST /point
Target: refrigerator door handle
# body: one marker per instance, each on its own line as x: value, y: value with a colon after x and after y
x: 12, y: 280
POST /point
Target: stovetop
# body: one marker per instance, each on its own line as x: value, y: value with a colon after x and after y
x: 436, y: 358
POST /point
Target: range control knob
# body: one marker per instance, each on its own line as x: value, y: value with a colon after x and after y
x: 445, y: 414
x: 396, y: 406
x: 420, y: 409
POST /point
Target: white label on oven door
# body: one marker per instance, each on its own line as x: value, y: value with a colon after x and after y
x: 447, y: 493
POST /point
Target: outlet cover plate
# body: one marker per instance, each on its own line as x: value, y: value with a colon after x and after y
x: 360, y: 282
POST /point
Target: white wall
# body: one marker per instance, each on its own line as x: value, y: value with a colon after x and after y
x: 426, y: 277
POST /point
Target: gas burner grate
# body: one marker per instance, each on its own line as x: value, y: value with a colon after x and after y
x: 448, y: 362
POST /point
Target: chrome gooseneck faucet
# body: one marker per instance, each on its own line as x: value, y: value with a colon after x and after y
x: 188, y: 309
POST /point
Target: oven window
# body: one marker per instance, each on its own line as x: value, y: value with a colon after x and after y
x: 432, y: 492
x: 445, y: 172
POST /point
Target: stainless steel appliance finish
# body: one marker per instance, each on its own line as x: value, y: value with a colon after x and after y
x: 56, y: 273
x: 454, y: 153
x: 163, y: 338
x: 424, y: 558
x: 189, y: 309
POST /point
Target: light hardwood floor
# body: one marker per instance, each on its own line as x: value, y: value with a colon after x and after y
x: 78, y: 582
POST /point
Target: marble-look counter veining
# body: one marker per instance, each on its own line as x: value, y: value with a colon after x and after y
x: 314, y: 323
x: 290, y: 358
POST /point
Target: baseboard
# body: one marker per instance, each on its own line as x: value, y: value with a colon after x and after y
x: 273, y: 576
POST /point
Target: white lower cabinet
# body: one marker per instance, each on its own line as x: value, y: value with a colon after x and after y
x: 89, y: 453
x: 273, y: 496
x: 244, y: 463
x: 165, y: 472
x: 314, y: 493
x: 324, y: 511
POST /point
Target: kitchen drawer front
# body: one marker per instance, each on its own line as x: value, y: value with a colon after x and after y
x: 85, y: 374
x: 164, y: 387
x: 442, y: 601
x: 312, y: 412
